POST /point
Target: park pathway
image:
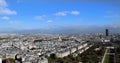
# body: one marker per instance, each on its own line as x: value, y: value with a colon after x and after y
x: 103, y: 59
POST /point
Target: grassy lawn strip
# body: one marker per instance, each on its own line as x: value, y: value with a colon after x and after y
x: 107, y: 60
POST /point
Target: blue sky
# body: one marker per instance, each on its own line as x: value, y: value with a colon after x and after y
x: 36, y: 14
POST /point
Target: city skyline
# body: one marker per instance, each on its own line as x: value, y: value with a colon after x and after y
x: 47, y: 15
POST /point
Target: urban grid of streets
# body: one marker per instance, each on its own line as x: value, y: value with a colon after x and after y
x: 34, y: 48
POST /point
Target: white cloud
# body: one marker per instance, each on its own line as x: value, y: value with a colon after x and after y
x: 3, y: 3
x: 4, y: 10
x: 109, y: 12
x: 18, y: 1
x: 75, y: 12
x: 107, y: 16
x: 63, y: 13
x: 49, y: 21
x: 112, y: 16
x: 5, y: 18
x: 39, y: 17
x: 116, y: 25
x: 13, y: 22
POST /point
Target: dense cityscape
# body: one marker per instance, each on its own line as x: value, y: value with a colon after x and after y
x: 59, y: 31
x: 51, y: 48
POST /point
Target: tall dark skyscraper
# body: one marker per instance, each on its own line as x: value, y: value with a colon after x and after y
x: 107, y: 32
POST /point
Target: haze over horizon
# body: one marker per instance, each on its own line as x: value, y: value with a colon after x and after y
x: 59, y: 16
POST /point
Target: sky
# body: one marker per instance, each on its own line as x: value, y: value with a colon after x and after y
x: 52, y: 14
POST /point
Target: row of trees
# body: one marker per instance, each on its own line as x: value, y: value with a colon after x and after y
x: 92, y: 56
x: 68, y: 59
x: 117, y: 54
x: 89, y: 56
